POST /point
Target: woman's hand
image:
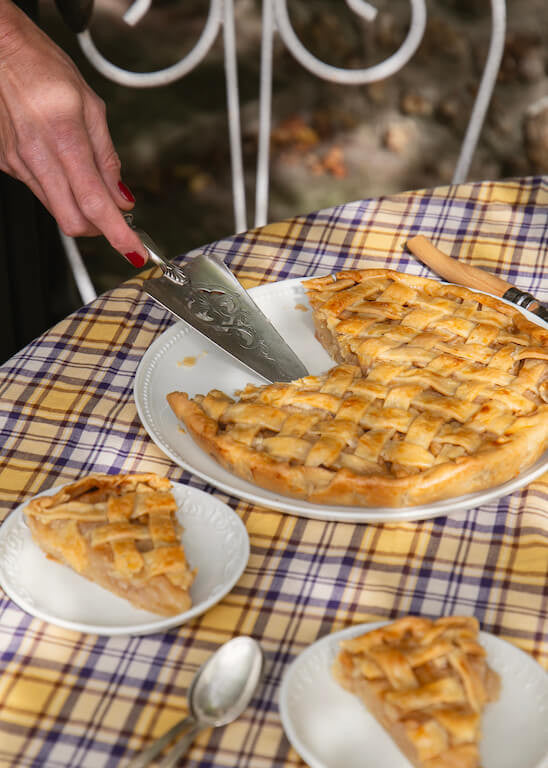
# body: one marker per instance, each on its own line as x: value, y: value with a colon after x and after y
x: 55, y: 139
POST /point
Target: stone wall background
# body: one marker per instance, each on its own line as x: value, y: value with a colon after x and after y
x: 330, y: 143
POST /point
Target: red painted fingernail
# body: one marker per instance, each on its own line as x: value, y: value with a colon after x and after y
x: 126, y: 192
x: 135, y: 258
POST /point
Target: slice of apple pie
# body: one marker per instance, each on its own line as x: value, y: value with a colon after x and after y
x: 120, y: 531
x: 427, y: 683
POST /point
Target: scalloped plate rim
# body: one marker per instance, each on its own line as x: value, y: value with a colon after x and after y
x: 327, y: 644
x: 145, y: 622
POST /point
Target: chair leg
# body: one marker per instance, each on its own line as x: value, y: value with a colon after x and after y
x: 81, y: 275
x: 485, y: 91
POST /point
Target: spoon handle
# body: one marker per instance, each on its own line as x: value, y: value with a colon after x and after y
x: 179, y: 749
x: 148, y: 754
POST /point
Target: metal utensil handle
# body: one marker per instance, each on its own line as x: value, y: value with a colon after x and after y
x: 169, y: 270
x: 179, y: 749
x: 521, y: 298
x: 148, y: 755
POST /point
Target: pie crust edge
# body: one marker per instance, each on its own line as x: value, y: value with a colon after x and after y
x: 471, y: 474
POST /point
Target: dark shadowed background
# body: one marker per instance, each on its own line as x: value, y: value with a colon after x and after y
x: 330, y: 143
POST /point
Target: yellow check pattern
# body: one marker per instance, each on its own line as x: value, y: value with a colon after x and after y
x: 67, y: 409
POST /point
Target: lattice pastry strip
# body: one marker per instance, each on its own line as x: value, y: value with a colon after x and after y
x: 427, y: 683
x: 120, y: 531
x: 438, y: 392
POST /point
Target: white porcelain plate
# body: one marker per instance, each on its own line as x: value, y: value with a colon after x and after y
x: 330, y: 728
x: 183, y: 359
x: 215, y: 542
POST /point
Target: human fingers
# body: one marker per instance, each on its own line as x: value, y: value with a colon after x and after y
x: 92, y: 196
x: 39, y: 169
x: 106, y: 157
x: 62, y: 174
x: 32, y: 163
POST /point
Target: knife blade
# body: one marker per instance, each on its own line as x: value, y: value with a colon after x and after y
x: 473, y: 277
x: 205, y: 294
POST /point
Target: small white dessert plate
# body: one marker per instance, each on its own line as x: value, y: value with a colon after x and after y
x: 330, y: 728
x: 215, y: 541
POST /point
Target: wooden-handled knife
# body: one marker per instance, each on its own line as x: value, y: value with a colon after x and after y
x: 473, y: 277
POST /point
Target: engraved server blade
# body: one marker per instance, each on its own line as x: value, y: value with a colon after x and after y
x: 215, y: 304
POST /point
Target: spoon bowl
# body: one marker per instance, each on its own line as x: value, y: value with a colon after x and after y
x: 226, y: 682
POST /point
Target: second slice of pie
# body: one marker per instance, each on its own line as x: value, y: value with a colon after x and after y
x: 122, y: 532
x: 427, y: 683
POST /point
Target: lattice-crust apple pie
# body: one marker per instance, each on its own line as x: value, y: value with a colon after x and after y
x: 120, y: 531
x: 427, y: 683
x: 439, y: 392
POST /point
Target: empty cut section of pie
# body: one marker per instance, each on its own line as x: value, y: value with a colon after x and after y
x: 427, y: 683
x: 121, y: 532
x: 438, y: 392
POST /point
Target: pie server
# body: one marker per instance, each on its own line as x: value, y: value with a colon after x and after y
x: 206, y: 295
x: 473, y: 277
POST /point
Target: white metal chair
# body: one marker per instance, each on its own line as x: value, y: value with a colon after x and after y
x: 276, y: 20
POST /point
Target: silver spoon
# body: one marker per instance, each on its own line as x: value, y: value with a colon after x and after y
x: 220, y: 691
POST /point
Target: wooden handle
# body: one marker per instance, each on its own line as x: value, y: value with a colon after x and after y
x: 455, y: 271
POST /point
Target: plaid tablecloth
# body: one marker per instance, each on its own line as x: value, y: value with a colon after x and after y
x: 67, y: 409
